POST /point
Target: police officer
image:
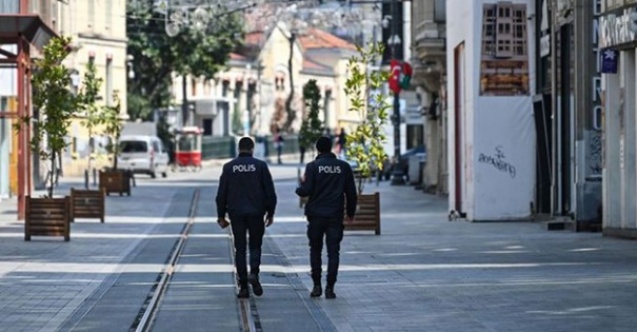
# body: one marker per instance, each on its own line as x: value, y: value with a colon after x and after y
x: 246, y: 193
x: 327, y: 181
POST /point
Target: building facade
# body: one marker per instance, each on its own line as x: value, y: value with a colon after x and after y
x: 15, y: 175
x: 255, y: 85
x: 618, y: 47
x: 429, y: 59
x: 491, y: 135
x: 98, y: 32
x: 568, y: 114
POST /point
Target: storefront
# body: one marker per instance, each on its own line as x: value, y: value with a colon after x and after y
x: 618, y: 44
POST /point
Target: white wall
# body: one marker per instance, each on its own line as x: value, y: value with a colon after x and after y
x: 458, y: 32
x: 490, y: 124
x: 8, y: 87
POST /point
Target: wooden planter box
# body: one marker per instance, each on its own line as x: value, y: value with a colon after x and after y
x: 87, y: 204
x: 115, y: 181
x: 367, y: 214
x: 47, y: 217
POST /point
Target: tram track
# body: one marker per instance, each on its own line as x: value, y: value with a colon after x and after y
x: 148, y: 312
x: 248, y: 313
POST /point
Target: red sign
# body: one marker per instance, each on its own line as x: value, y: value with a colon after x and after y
x: 394, y: 77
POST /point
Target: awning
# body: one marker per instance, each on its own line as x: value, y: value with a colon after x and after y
x: 29, y: 26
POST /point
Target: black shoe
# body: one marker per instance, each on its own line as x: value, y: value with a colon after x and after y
x: 244, y: 293
x: 316, y: 291
x: 329, y: 292
x: 256, y: 285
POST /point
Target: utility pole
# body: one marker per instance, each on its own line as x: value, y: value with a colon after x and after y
x: 397, y: 173
x: 184, y: 101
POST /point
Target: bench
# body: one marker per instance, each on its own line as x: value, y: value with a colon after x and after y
x: 87, y: 204
x: 367, y: 214
x: 47, y: 217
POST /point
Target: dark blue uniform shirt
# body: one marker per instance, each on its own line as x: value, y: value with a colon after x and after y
x: 246, y: 188
x: 328, y: 181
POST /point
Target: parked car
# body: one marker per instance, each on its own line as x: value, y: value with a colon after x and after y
x: 403, y: 162
x: 143, y: 155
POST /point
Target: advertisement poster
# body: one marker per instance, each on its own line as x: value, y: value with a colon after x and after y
x: 504, y: 61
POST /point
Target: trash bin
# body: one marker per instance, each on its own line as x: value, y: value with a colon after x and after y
x: 414, y: 170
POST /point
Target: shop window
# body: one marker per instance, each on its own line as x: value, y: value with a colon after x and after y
x: 207, y: 127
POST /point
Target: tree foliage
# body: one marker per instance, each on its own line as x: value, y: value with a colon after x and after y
x: 365, y: 144
x: 156, y: 56
x: 51, y: 81
x: 113, y: 125
x: 311, y: 127
x: 90, y: 95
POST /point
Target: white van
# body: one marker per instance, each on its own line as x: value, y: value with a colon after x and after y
x: 143, y: 155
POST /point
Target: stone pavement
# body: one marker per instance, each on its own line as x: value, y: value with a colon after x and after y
x: 46, y: 283
x: 427, y: 274
x: 422, y: 274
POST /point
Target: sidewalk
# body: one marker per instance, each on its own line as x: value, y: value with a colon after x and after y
x: 425, y: 273
x: 44, y: 281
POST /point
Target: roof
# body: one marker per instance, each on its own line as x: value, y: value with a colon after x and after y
x: 254, y: 37
x: 236, y: 56
x: 316, y: 38
x: 315, y: 67
x: 31, y: 26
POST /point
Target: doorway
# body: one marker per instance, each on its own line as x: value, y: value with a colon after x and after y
x: 459, y: 90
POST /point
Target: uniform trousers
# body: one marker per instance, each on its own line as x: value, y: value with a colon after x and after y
x: 255, y: 227
x: 330, y: 229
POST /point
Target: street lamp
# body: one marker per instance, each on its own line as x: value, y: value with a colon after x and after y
x: 398, y: 177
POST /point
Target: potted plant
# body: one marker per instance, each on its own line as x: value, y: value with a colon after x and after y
x: 89, y: 203
x: 311, y: 127
x: 49, y: 215
x: 365, y: 144
x: 114, y: 180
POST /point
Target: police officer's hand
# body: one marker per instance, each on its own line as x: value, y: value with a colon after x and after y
x: 268, y: 221
x: 349, y: 219
x: 223, y: 223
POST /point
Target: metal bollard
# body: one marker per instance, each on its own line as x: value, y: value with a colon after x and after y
x: 86, y: 179
x: 94, y: 177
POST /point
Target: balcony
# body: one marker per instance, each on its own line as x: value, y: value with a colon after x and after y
x: 429, y: 50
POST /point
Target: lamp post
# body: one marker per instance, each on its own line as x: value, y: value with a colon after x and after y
x: 398, y: 177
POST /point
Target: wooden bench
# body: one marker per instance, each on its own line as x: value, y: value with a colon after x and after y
x: 47, y: 217
x: 367, y: 214
x: 115, y: 182
x: 87, y: 204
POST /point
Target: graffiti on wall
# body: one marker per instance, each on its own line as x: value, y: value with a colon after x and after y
x: 498, y: 161
x: 595, y: 153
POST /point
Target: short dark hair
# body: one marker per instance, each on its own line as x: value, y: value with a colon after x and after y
x: 246, y: 144
x: 324, y: 145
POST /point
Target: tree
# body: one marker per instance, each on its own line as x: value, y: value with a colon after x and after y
x: 311, y: 128
x: 88, y: 103
x: 291, y: 114
x: 113, y: 126
x: 156, y: 56
x: 57, y: 103
x: 365, y: 144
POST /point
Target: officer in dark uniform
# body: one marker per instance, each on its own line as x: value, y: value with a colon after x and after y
x: 246, y: 193
x: 327, y: 181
